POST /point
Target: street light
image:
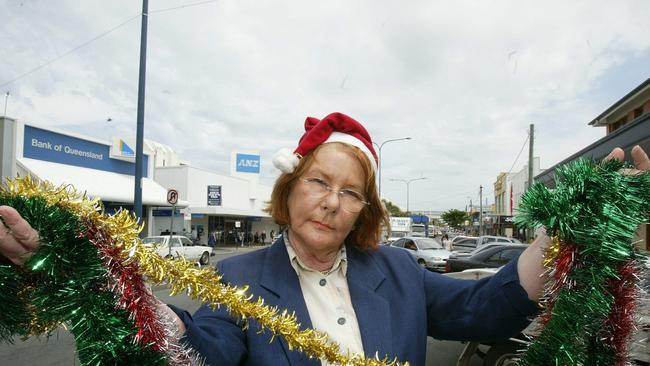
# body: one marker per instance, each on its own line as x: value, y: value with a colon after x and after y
x: 408, y: 184
x: 379, y: 146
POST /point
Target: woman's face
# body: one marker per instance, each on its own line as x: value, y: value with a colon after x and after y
x: 321, y: 223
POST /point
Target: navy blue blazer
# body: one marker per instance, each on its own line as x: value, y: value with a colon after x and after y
x: 397, y: 303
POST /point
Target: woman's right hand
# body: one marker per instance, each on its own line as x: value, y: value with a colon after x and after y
x: 18, y: 240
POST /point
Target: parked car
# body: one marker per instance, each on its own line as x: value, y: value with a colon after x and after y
x: 463, y: 243
x: 485, y: 239
x: 494, y: 257
x: 464, y: 254
x: 427, y: 252
x: 181, y: 246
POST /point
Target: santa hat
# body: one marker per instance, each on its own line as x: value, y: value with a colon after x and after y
x: 336, y: 127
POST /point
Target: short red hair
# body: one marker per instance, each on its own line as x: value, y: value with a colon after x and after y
x: 367, y: 231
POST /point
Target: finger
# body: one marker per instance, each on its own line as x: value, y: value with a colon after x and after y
x: 20, y: 229
x: 641, y: 160
x: 11, y: 248
x: 616, y: 154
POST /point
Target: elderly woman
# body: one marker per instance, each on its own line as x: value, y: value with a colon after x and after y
x: 329, y: 270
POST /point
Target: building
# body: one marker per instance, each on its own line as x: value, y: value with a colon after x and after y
x: 627, y: 123
x: 227, y: 207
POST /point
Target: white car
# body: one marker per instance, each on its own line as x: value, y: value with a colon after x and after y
x: 181, y: 246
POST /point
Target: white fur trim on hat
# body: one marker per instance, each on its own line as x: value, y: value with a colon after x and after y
x: 285, y: 160
x: 351, y: 140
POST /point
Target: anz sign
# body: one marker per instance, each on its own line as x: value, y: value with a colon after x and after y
x: 247, y: 163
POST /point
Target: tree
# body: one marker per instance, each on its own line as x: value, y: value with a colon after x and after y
x: 394, y: 210
x: 455, y: 218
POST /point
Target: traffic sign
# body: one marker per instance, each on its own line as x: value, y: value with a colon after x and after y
x: 172, y: 196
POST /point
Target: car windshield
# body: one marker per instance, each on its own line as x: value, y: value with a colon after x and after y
x: 417, y: 229
x: 397, y: 234
x: 428, y: 244
x: 157, y: 240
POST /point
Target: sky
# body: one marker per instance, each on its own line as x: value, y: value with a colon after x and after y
x: 463, y: 79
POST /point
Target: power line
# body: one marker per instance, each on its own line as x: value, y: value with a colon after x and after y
x: 69, y: 52
x: 105, y: 33
x: 518, y: 155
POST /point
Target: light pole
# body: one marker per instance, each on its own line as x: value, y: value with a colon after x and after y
x: 6, y: 97
x: 379, y: 146
x: 408, y: 184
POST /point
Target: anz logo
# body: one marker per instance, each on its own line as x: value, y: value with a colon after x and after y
x: 248, y: 163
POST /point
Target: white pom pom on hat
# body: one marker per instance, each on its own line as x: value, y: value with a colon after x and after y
x: 285, y: 160
x: 335, y: 127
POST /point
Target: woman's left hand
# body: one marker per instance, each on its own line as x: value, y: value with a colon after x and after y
x: 530, y: 266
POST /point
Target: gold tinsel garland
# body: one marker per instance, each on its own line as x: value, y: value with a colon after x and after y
x: 203, y: 284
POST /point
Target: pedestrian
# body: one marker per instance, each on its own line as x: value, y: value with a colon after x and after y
x: 256, y: 237
x: 263, y: 237
x: 328, y: 269
x: 272, y: 235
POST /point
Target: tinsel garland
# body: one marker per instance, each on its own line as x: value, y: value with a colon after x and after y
x: 89, y: 273
x: 592, y: 267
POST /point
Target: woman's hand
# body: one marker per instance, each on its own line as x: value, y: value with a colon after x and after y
x: 530, y: 266
x: 18, y: 240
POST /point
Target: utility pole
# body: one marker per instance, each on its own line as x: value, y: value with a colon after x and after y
x: 480, y: 212
x: 531, y: 143
x: 530, y: 156
x: 6, y: 97
x: 137, y: 196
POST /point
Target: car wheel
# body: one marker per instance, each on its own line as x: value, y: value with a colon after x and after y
x: 421, y: 262
x: 169, y: 256
x: 503, y: 354
x: 205, y: 259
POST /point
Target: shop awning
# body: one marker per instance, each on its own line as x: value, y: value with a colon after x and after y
x: 110, y: 187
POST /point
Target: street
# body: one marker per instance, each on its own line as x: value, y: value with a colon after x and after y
x: 59, y: 348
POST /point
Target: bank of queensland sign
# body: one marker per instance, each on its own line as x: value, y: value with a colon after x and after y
x: 247, y: 163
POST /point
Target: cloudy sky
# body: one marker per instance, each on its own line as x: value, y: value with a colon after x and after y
x: 464, y: 79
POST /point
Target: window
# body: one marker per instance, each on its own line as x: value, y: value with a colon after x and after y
x: 399, y: 243
x: 176, y: 242
x: 410, y: 245
x: 186, y: 242
x: 500, y: 240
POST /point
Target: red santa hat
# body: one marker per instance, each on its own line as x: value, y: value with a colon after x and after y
x: 336, y: 127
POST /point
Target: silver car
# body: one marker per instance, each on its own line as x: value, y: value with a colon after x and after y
x: 427, y: 252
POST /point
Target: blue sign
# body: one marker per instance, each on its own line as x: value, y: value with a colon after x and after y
x: 214, y: 195
x: 198, y: 216
x: 58, y: 148
x: 248, y: 163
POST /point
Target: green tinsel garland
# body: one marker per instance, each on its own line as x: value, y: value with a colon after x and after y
x: 66, y: 283
x: 593, y: 213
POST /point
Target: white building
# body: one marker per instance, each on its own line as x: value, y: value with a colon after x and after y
x: 209, y: 203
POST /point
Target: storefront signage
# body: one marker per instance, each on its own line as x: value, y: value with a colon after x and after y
x: 214, y: 195
x: 247, y: 163
x: 50, y: 146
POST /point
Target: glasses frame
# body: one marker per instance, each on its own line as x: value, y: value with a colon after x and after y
x: 331, y: 190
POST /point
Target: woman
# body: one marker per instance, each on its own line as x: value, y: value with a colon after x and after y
x: 328, y: 268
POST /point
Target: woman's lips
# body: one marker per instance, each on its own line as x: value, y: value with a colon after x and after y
x: 320, y: 225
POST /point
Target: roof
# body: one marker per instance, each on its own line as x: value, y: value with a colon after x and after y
x: 110, y: 187
x: 601, y: 120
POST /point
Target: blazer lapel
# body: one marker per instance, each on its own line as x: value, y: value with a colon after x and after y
x: 372, y: 310
x: 279, y: 277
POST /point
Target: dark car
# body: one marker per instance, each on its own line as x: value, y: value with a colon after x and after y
x: 494, y: 257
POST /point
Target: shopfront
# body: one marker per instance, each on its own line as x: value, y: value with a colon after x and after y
x: 94, y: 167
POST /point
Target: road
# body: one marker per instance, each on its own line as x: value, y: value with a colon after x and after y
x: 59, y: 348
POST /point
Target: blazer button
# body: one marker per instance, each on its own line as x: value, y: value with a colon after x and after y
x: 341, y: 321
x: 322, y: 282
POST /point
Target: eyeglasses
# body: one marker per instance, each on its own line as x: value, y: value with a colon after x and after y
x: 350, y: 200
